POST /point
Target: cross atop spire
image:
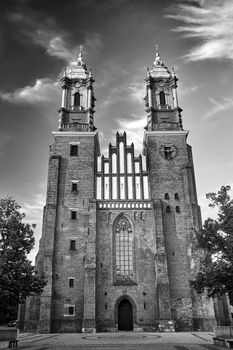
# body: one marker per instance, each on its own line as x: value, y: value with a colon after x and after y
x: 78, y: 69
x: 80, y: 57
x: 158, y: 61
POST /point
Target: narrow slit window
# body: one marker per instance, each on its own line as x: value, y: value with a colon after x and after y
x: 177, y: 209
x: 72, y: 245
x: 176, y: 196
x: 73, y: 215
x: 71, y: 310
x: 71, y: 282
x: 162, y: 98
x: 73, y: 150
x: 74, y: 186
x: 166, y: 196
x: 98, y: 188
x: 77, y: 99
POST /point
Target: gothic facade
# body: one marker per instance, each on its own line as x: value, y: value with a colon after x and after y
x: 117, y: 246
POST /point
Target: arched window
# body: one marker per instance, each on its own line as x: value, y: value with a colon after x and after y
x: 168, y: 209
x: 177, y: 209
x: 77, y: 99
x: 166, y: 196
x: 176, y: 196
x: 162, y: 98
x: 123, y: 239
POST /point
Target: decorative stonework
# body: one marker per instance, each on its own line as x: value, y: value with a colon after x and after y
x: 124, y: 205
x: 168, y: 151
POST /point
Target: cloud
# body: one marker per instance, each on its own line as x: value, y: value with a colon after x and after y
x: 134, y: 127
x: 56, y: 42
x: 189, y: 90
x: 124, y: 92
x: 44, y: 90
x: 44, y: 32
x: 218, y: 107
x: 137, y: 92
x: 211, y: 22
x: 33, y: 208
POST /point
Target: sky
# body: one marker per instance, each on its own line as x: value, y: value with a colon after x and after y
x: 39, y: 38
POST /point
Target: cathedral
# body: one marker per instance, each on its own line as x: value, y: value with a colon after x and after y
x: 118, y: 241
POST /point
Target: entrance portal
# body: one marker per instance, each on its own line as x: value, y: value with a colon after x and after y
x: 125, y: 316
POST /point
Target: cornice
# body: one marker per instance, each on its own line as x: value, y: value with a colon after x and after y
x: 80, y: 133
x: 166, y: 132
x: 74, y: 133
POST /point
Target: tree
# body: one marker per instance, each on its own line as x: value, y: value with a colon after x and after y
x: 18, y: 278
x: 216, y: 240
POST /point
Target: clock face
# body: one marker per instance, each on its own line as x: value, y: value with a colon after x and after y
x: 168, y: 151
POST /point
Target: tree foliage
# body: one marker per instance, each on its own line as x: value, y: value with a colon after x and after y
x: 18, y: 278
x: 216, y: 240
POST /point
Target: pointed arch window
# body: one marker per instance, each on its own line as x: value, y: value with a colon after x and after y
x: 162, y: 99
x: 77, y: 99
x: 123, y: 251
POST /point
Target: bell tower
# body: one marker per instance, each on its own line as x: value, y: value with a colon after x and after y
x: 173, y: 191
x: 163, y: 112
x: 67, y: 255
x: 78, y: 100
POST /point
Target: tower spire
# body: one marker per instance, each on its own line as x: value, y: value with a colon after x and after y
x: 158, y: 61
x: 78, y: 99
x: 161, y: 99
x: 80, y: 61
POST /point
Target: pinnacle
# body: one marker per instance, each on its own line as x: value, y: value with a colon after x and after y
x: 80, y: 61
x: 158, y: 61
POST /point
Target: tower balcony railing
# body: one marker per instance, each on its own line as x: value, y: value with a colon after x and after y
x: 166, y: 126
x: 76, y: 126
x: 164, y: 107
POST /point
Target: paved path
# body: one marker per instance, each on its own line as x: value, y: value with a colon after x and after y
x: 119, y: 341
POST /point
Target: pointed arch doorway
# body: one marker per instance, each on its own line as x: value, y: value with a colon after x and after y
x: 125, y: 316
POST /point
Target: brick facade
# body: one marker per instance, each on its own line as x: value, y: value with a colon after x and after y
x: 124, y: 230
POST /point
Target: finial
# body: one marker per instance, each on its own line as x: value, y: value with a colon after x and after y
x: 157, y: 61
x: 173, y: 72
x: 148, y: 71
x: 80, y: 56
x: 90, y: 73
x: 65, y: 73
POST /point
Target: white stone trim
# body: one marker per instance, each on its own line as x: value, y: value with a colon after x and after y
x: 166, y: 132
x: 75, y: 133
